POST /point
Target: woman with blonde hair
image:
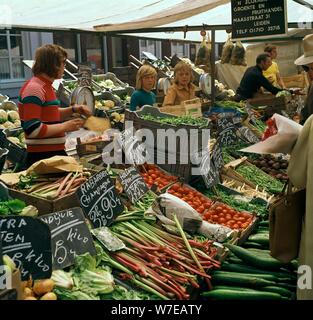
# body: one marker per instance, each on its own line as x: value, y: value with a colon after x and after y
x: 182, y: 89
x: 145, y: 83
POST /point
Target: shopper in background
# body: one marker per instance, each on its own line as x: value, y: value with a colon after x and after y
x: 272, y: 73
x: 182, y: 89
x: 300, y: 172
x: 306, y: 62
x: 39, y: 110
x: 253, y: 80
x: 145, y: 82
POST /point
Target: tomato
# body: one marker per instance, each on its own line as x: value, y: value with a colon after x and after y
x: 235, y: 226
x: 175, y: 187
x: 207, y: 205
x: 239, y: 225
x: 228, y: 217
x: 225, y: 211
x: 200, y: 209
x: 219, y: 208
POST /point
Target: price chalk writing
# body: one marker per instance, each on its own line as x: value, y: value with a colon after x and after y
x: 70, y: 236
x: 133, y: 184
x: 27, y: 241
x: 99, y: 199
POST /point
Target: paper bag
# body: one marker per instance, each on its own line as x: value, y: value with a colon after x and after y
x: 57, y: 164
x: 282, y: 142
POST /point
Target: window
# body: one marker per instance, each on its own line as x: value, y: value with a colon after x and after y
x: 11, y: 55
x: 69, y: 42
x: 180, y: 49
x: 91, y: 45
x: 151, y: 46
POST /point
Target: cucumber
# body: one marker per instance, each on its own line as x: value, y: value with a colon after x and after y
x: 231, y: 288
x: 256, y: 260
x: 282, y: 291
x: 250, y: 244
x: 234, y: 260
x: 268, y: 277
x: 241, y: 280
x: 232, y: 267
x: 262, y: 239
x: 265, y: 223
x: 227, y: 294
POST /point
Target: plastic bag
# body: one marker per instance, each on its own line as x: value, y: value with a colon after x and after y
x: 238, y: 56
x: 227, y: 51
x: 282, y: 142
x: 204, y: 55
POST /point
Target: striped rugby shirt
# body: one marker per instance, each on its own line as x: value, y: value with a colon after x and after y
x: 38, y: 107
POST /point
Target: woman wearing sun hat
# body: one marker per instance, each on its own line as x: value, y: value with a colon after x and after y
x: 306, y: 61
x: 300, y: 172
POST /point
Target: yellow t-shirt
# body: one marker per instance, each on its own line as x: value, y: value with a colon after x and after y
x: 271, y: 74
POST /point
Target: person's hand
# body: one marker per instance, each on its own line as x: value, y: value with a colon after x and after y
x: 73, y: 125
x: 82, y: 109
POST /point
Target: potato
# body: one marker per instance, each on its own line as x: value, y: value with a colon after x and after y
x: 43, y: 286
x: 28, y: 293
x: 30, y: 298
x: 49, y: 296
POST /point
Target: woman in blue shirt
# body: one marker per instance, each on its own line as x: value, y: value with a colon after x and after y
x: 145, y: 83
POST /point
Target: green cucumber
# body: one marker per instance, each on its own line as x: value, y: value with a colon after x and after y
x: 226, y: 294
x: 268, y: 277
x: 264, y: 223
x: 232, y: 267
x: 262, y: 239
x: 239, y: 279
x: 282, y: 291
x: 250, y: 244
x: 234, y: 260
x: 256, y: 260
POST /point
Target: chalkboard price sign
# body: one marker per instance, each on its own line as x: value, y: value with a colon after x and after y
x: 135, y: 151
x: 258, y: 18
x: 133, y: 184
x: 227, y: 131
x: 217, y: 155
x: 27, y: 241
x: 208, y: 170
x: 70, y: 236
x: 99, y: 199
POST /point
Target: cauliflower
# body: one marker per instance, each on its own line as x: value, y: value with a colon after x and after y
x: 14, y: 140
x: 108, y: 84
x: 109, y: 104
x: 283, y: 93
x: 8, y: 125
x: 17, y: 123
x: 13, y: 116
x: 231, y: 93
x: 3, y: 116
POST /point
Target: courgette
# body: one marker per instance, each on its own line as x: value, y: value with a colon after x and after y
x: 232, y: 259
x: 227, y: 294
x: 263, y: 262
x: 241, y: 280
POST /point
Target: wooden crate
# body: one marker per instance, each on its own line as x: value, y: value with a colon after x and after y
x: 88, y: 148
x: 46, y: 206
x: 296, y: 81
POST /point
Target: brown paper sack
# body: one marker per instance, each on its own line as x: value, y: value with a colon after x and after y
x: 57, y: 164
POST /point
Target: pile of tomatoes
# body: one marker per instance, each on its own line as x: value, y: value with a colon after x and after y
x: 222, y: 214
x: 153, y: 175
x: 194, y: 198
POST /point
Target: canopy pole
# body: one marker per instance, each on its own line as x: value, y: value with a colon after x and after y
x: 212, y: 67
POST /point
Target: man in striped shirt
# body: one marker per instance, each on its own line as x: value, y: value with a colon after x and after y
x: 41, y: 116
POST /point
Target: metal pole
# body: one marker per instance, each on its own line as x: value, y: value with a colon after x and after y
x: 212, y: 67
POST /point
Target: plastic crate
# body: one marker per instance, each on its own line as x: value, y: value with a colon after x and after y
x: 16, y: 154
